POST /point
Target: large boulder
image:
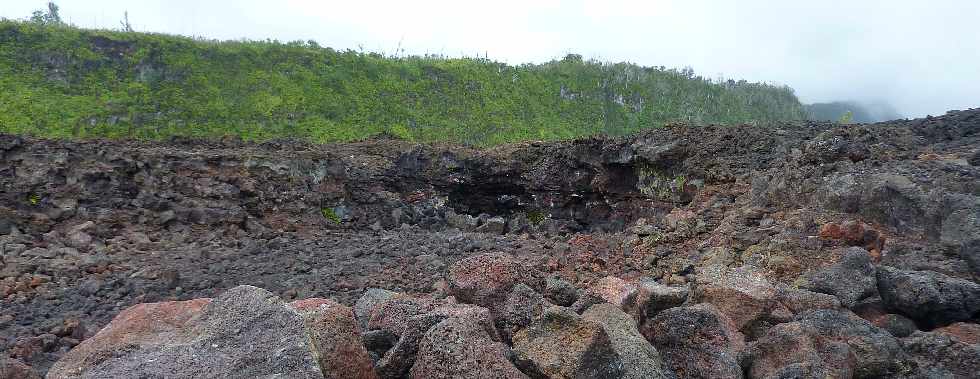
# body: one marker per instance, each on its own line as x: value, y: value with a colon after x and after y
x: 697, y: 341
x: 788, y: 351
x: 245, y: 332
x: 851, y: 279
x: 930, y: 298
x: 838, y: 334
x: 640, y: 359
x: 614, y: 291
x: 407, y: 319
x: 800, y: 301
x: 371, y: 298
x: 523, y: 305
x: 560, y: 291
x: 941, y: 355
x: 460, y: 348
x: 560, y: 344
x: 743, y: 294
x: 487, y: 279
x: 653, y: 297
x: 335, y: 339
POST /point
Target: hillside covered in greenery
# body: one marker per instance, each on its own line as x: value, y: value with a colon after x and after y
x: 62, y: 81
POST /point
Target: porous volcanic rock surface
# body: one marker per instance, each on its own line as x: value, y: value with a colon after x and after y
x: 487, y: 254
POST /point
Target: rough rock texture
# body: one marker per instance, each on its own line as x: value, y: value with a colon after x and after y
x: 851, y: 280
x: 639, y: 358
x: 522, y: 307
x: 697, y: 342
x: 743, y: 294
x: 614, y: 291
x: 788, y: 351
x: 487, y: 279
x: 372, y: 298
x: 460, y: 348
x: 839, y: 334
x: 409, y: 319
x: 560, y: 291
x: 14, y: 369
x: 245, y: 332
x: 561, y: 344
x: 939, y: 355
x: 653, y: 297
x: 335, y: 339
x: 929, y: 298
x: 90, y: 228
x: 800, y: 301
x: 968, y: 333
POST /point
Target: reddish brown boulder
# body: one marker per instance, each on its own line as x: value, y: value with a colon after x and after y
x: 787, y: 351
x: 856, y: 233
x: 140, y: 326
x: 487, y: 279
x: 743, y: 294
x: 967, y: 333
x: 462, y: 348
x: 244, y: 332
x: 614, y: 291
x: 697, y: 341
x: 335, y: 339
x: 392, y: 314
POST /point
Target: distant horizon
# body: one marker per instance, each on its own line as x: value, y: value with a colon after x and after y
x: 916, y: 57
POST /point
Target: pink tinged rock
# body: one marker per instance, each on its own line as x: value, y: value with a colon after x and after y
x: 335, y: 339
x: 967, y: 333
x: 461, y: 348
x: 742, y: 294
x: 788, y: 351
x: 615, y: 291
x: 487, y: 279
x: 244, y: 332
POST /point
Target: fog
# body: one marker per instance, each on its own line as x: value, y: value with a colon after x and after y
x: 922, y: 57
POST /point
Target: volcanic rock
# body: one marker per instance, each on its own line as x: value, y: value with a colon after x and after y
x: 850, y: 280
x: 929, y: 298
x: 560, y: 344
x: 697, y: 341
x: 460, y: 348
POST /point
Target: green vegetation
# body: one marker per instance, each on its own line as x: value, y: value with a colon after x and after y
x: 62, y: 81
x: 535, y: 217
x: 329, y: 214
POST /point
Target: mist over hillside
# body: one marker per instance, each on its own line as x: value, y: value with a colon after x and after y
x: 861, y: 112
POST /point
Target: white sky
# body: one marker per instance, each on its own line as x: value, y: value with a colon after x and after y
x: 921, y: 56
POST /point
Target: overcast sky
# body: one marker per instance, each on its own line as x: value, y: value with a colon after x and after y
x: 921, y: 56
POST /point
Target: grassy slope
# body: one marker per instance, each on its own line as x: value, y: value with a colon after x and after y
x: 59, y: 81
